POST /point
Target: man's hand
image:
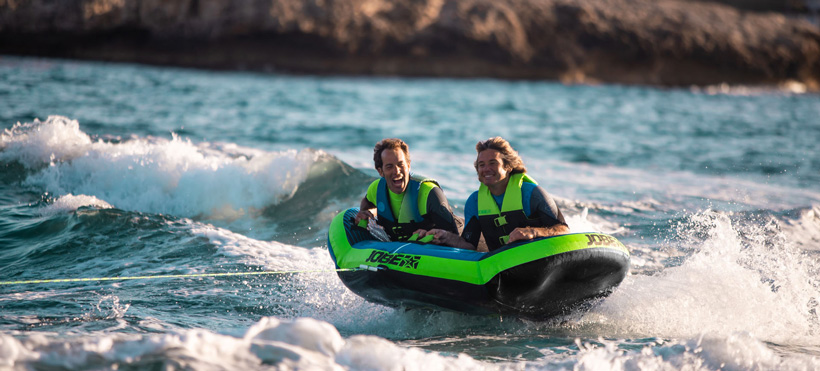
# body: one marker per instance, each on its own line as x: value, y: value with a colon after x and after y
x: 363, y: 214
x: 438, y: 235
x: 446, y: 238
x: 367, y: 211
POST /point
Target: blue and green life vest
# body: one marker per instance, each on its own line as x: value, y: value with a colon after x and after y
x: 496, y: 225
x: 410, y: 215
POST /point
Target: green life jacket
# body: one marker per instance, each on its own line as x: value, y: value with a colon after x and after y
x: 409, y: 216
x: 496, y: 225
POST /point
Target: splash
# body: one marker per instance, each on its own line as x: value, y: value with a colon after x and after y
x: 306, y: 343
x: 737, y: 351
x: 301, y: 343
x: 317, y: 294
x: 38, y: 143
x: 743, y: 275
x: 154, y: 175
x: 71, y: 202
x: 805, y: 229
x: 584, y: 222
x: 271, y: 255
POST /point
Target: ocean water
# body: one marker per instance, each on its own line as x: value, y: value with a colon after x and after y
x: 111, y: 170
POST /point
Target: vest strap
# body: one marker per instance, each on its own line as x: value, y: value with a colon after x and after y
x: 497, y: 222
x: 512, y: 196
x: 408, y: 218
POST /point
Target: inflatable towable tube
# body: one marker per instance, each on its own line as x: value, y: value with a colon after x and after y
x: 534, y: 280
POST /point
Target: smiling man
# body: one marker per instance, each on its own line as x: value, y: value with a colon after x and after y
x: 404, y: 204
x: 509, y: 206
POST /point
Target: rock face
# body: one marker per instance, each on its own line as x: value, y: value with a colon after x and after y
x: 658, y: 42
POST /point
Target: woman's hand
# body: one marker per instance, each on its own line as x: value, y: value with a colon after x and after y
x: 528, y: 233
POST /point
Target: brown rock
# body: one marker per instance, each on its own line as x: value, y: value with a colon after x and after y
x: 663, y: 42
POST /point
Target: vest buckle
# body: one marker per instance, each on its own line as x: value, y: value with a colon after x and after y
x: 504, y: 239
x: 397, y: 231
x: 501, y: 220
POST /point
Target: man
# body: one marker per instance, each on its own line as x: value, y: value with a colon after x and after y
x: 508, y: 206
x: 404, y: 204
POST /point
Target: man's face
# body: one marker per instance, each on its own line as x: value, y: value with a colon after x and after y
x: 395, y: 170
x: 490, y: 168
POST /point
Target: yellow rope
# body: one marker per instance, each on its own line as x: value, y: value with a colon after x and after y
x: 194, y: 275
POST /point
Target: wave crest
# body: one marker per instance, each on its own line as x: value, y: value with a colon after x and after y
x: 155, y: 175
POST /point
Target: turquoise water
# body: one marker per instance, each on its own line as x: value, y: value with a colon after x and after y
x: 123, y: 170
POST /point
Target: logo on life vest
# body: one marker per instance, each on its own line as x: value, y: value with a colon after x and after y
x: 401, y: 260
x: 599, y: 239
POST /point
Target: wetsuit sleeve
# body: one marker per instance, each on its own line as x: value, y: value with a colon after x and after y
x: 543, y: 207
x: 438, y: 210
x: 472, y: 228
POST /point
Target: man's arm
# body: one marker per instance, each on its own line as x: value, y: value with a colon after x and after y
x: 544, y: 208
x: 367, y: 208
x: 367, y: 211
x: 472, y: 232
x: 445, y: 230
x: 528, y: 233
x: 446, y: 238
x: 439, y: 212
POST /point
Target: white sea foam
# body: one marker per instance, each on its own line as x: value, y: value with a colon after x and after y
x: 39, y: 143
x: 318, y: 292
x: 739, y: 278
x: 306, y: 343
x: 586, y: 222
x: 271, y: 255
x: 805, y: 230
x: 737, y: 351
x: 71, y: 202
x: 302, y: 343
x: 155, y: 175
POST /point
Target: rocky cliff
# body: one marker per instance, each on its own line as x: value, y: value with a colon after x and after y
x: 659, y: 42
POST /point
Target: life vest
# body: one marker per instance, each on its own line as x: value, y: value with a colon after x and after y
x: 410, y: 218
x: 496, y: 225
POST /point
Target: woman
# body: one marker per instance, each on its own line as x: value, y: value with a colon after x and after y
x: 509, y: 206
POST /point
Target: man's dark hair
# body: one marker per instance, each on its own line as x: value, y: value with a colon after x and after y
x: 389, y: 143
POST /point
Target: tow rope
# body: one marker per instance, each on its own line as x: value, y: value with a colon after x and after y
x: 193, y: 275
